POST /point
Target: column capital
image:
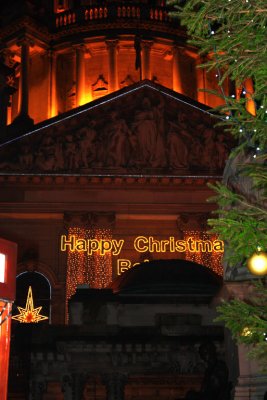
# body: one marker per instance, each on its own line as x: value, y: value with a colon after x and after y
x: 178, y: 50
x: 25, y: 41
x: 77, y: 219
x: 103, y: 220
x: 115, y: 376
x: 196, y: 221
x: 177, y: 47
x: 51, y: 53
x: 112, y: 43
x: 201, y: 59
x: 79, y: 46
x: 115, y: 383
x: 146, y: 44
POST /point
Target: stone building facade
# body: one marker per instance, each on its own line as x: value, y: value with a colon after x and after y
x: 107, y: 147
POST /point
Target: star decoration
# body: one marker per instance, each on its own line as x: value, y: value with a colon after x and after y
x: 29, y: 314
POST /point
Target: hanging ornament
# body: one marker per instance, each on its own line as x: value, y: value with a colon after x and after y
x: 246, y: 332
x: 257, y: 263
x: 29, y: 314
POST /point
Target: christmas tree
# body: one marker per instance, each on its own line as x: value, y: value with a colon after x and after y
x: 231, y: 37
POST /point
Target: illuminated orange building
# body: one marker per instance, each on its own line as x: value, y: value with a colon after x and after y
x: 71, y: 54
x: 106, y: 139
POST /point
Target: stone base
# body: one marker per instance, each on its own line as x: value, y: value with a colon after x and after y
x: 54, y: 392
x: 21, y: 124
x: 251, y: 388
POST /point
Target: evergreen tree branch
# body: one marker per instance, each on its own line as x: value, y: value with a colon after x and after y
x: 231, y: 37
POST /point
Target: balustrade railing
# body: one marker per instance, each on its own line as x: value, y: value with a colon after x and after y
x: 111, y: 12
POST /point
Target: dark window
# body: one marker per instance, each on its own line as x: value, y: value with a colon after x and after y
x: 41, y: 291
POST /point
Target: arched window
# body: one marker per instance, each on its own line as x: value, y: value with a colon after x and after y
x: 41, y: 291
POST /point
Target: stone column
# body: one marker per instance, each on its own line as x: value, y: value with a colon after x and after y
x: 75, y: 223
x: 145, y: 58
x: 24, y: 83
x: 79, y: 380
x: 67, y: 387
x: 102, y: 225
x: 57, y: 308
x: 252, y: 382
x: 176, y: 69
x: 112, y: 47
x: 52, y: 105
x: 6, y: 92
x: 38, y: 389
x: 80, y: 74
x: 115, y: 384
x: 200, y: 78
x: 23, y: 121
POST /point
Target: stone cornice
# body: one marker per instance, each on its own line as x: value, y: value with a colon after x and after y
x: 151, y: 26
x: 41, y: 32
x: 117, y: 180
x: 25, y: 25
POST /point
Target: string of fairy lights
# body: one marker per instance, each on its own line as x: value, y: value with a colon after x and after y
x: 76, y: 264
x: 96, y: 270
x: 93, y: 270
x: 101, y: 265
x: 212, y: 259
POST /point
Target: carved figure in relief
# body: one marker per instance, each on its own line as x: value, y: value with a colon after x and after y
x: 221, y: 151
x: 71, y: 159
x: 187, y: 359
x: 86, y: 137
x: 208, y: 149
x: 48, y: 146
x: 117, y: 141
x: 159, y: 112
x: 147, y: 127
x: 177, y: 146
x: 59, y: 157
x: 26, y: 156
x: 45, y: 157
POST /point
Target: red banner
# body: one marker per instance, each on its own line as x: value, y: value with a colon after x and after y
x: 8, y: 266
x: 8, y: 261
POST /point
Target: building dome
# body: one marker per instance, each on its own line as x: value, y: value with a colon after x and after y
x: 168, y: 277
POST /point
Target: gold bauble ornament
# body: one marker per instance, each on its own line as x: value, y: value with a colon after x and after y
x: 246, y: 332
x: 257, y: 263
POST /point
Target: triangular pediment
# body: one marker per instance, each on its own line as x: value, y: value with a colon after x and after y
x: 141, y: 129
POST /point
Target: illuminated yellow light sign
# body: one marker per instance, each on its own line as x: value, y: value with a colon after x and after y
x: 141, y: 244
x: 2, y: 268
x: 91, y: 246
x: 145, y: 244
x: 123, y: 265
x: 29, y: 314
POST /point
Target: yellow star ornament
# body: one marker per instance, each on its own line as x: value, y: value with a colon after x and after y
x: 29, y: 314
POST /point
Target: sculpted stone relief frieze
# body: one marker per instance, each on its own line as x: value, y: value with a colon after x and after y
x: 142, y: 132
x: 184, y: 360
